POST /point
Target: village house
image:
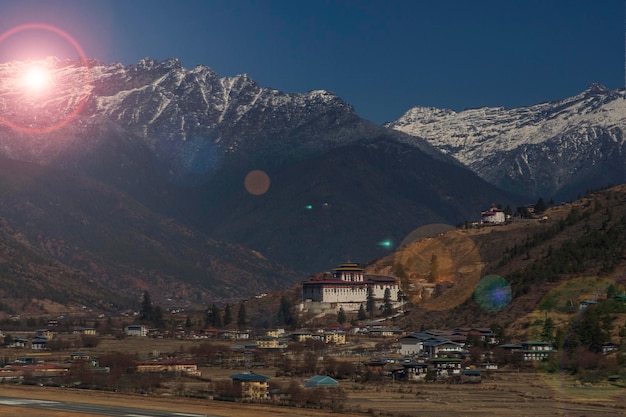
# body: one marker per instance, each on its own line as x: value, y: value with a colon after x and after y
x: 411, y: 345
x: 38, y: 370
x: 251, y: 386
x: 301, y: 336
x: 446, y: 366
x: 336, y: 337
x: 415, y: 371
x: 136, y: 330
x: 380, y: 331
x: 586, y: 303
x: 39, y: 343
x: 471, y: 376
x: 536, y: 351
x: 493, y: 216
x: 79, y: 356
x: 275, y: 333
x: 19, y: 342
x: 267, y: 342
x: 321, y: 381
x: 441, y: 347
x: 168, y: 365
x: 235, y: 334
x: 530, y: 350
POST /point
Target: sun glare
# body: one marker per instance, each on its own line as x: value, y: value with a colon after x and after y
x: 36, y: 78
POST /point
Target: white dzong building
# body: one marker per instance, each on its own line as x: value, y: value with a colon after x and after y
x: 348, y: 285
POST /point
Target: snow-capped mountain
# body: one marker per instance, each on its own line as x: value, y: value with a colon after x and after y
x: 557, y: 148
x: 181, y: 141
x: 190, y: 119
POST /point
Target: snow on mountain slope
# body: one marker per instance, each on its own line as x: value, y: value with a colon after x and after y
x: 174, y: 110
x: 548, y: 148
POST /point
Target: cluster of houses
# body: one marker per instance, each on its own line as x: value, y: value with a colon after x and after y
x: 434, y: 343
x: 39, y: 340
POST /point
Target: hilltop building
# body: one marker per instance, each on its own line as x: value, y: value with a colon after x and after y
x: 347, y: 287
x: 493, y: 216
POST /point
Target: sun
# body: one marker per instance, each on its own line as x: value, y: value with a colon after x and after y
x: 36, y: 78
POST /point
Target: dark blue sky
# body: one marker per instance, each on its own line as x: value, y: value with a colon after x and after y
x: 382, y: 57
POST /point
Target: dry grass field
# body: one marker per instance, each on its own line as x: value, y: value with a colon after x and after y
x: 502, y: 394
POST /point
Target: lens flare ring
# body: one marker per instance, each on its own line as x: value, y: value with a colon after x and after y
x: 438, y: 267
x: 87, y: 77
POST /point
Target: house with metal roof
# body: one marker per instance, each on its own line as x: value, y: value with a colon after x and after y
x: 321, y: 381
x: 251, y: 386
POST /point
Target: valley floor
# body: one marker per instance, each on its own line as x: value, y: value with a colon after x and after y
x: 502, y: 394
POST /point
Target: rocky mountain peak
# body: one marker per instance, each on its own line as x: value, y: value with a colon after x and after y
x: 557, y: 148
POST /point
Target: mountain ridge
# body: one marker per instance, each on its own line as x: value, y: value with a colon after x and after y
x: 540, y: 150
x: 172, y: 146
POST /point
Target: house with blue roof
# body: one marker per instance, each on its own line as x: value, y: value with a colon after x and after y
x: 251, y: 386
x: 321, y: 381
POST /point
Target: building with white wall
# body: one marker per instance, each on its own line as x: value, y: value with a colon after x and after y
x: 348, y: 285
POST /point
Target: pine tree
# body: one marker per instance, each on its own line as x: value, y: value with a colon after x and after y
x: 341, y: 316
x: 434, y: 269
x: 213, y: 317
x: 387, y: 306
x: 242, y: 318
x: 217, y: 317
x: 362, y: 314
x: 285, y: 312
x: 540, y: 207
x: 157, y: 317
x: 228, y: 315
x: 147, y: 311
x: 371, y: 303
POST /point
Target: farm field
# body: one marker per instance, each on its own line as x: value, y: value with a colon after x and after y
x: 503, y: 394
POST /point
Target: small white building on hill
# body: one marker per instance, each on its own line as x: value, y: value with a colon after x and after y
x: 493, y: 216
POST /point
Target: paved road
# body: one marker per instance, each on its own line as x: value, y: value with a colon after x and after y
x: 105, y: 410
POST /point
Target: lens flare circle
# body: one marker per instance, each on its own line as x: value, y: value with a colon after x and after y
x: 493, y: 293
x: 438, y: 267
x: 87, y: 77
x: 257, y: 182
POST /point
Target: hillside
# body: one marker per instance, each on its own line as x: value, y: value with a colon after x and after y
x: 68, y: 242
x: 581, y: 246
x: 569, y: 253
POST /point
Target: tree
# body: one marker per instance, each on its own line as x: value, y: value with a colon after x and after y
x: 387, y: 306
x: 362, y: 314
x: 242, y: 318
x: 147, y: 311
x: 157, y: 318
x: 540, y: 207
x: 228, y: 315
x: 548, y: 330
x: 213, y: 317
x: 434, y: 269
x: 341, y: 316
x: 370, y: 303
x: 187, y: 322
x: 285, y: 312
